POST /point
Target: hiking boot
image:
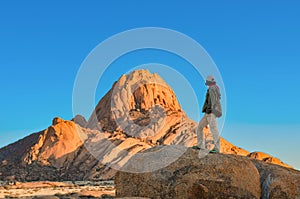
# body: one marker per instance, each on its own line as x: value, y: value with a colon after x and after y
x: 196, y: 147
x: 214, y: 151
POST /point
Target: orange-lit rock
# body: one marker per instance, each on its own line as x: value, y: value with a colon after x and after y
x: 140, y: 112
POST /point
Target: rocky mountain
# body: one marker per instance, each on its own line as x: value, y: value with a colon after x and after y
x: 143, y: 106
x: 139, y: 112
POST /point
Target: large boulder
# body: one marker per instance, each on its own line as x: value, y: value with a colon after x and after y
x: 277, y: 181
x: 214, y: 176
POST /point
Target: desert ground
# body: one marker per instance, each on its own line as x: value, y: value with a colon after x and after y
x: 64, y: 190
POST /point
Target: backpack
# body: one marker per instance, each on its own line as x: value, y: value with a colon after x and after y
x: 217, y: 108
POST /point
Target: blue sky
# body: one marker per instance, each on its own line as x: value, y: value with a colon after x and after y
x: 255, y: 44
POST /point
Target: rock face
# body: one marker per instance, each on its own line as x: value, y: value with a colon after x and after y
x: 80, y: 120
x: 139, y: 112
x: 228, y: 148
x: 277, y: 181
x: 214, y: 176
x: 142, y: 105
x: 56, y: 153
x: 54, y: 143
x: 267, y: 158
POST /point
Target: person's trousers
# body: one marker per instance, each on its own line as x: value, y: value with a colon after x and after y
x: 209, y: 141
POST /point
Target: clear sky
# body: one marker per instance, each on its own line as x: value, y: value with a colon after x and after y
x: 255, y: 44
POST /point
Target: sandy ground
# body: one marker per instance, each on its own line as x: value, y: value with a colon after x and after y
x: 75, y: 189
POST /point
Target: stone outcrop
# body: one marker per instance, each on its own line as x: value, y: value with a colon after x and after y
x: 229, y: 148
x: 49, y: 155
x: 61, y: 153
x: 267, y: 158
x: 142, y: 105
x: 214, y: 176
x: 54, y: 143
x: 277, y: 181
x: 80, y: 120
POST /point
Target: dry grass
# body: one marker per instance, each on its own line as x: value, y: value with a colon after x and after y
x: 59, y: 189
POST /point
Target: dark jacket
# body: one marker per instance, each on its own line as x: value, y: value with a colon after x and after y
x: 212, y: 101
x: 207, y: 104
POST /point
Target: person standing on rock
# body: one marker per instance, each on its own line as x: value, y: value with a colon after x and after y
x: 212, y: 110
